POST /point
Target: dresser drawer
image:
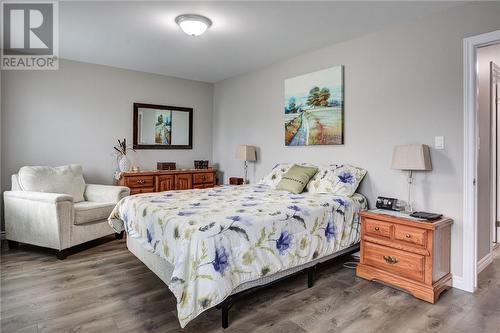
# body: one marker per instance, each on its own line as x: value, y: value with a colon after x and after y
x: 410, y: 235
x: 202, y: 178
x: 401, y: 263
x: 139, y: 181
x: 378, y: 228
x: 138, y: 190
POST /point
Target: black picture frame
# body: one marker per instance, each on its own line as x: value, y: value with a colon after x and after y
x: 136, y: 145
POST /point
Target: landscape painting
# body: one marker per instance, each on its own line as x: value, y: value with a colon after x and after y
x: 163, y: 127
x: 314, y: 108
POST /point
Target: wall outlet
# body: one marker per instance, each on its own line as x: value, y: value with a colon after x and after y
x: 439, y: 142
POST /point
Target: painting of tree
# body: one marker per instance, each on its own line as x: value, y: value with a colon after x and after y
x: 314, y: 108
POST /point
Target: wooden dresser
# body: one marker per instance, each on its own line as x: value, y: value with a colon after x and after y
x: 408, y: 254
x: 159, y: 181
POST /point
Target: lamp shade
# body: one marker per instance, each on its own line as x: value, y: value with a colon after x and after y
x: 411, y: 157
x: 246, y: 153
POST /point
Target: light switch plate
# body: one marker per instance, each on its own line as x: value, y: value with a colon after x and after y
x: 439, y: 142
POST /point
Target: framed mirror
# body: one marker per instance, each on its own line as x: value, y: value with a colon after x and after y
x: 162, y: 127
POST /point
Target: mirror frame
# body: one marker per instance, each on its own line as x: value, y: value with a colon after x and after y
x: 161, y: 107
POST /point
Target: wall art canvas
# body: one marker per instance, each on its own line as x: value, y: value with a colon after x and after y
x: 163, y: 127
x: 314, y: 108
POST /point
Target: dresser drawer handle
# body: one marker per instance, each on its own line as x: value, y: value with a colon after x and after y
x: 376, y: 229
x: 390, y: 260
x: 141, y: 181
x: 408, y: 236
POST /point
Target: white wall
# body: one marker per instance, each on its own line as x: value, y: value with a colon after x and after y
x: 484, y: 221
x: 77, y: 113
x: 402, y: 85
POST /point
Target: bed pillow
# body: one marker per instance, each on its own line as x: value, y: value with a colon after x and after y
x: 296, y: 178
x: 337, y: 179
x: 273, y: 178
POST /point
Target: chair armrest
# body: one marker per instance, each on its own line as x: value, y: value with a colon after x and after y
x: 38, y: 196
x: 105, y: 193
x: 38, y: 218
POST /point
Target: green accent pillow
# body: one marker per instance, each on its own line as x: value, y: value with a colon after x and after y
x: 296, y: 179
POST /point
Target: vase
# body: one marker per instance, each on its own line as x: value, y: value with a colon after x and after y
x: 124, y: 163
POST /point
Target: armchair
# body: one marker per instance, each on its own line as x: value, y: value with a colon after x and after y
x: 77, y: 213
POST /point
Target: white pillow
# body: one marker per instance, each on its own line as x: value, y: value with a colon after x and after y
x: 66, y: 179
x: 274, y: 177
x: 337, y: 179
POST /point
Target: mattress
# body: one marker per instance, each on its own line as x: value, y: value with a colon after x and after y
x: 219, y: 241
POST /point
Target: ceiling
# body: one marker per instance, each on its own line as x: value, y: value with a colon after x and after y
x: 244, y: 36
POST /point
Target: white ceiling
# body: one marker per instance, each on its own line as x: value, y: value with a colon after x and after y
x: 244, y: 36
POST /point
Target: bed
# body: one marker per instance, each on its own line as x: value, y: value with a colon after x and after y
x: 207, y: 245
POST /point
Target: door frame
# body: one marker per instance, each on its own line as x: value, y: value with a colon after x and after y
x: 468, y: 281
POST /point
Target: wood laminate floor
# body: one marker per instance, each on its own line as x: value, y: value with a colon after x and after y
x: 106, y: 289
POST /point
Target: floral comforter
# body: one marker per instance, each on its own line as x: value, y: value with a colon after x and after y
x: 217, y: 239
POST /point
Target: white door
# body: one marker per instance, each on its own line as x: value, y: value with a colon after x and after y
x: 495, y: 107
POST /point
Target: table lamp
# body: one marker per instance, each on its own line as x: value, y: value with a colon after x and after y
x: 246, y: 154
x: 416, y: 157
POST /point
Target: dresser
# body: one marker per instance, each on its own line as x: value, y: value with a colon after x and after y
x: 405, y: 253
x: 167, y: 180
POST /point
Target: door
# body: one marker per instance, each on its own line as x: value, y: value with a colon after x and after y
x: 495, y: 102
x: 183, y: 182
x: 165, y: 183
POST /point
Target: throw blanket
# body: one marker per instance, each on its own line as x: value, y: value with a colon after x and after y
x: 217, y: 239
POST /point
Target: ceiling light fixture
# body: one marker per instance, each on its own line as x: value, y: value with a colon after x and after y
x: 192, y: 24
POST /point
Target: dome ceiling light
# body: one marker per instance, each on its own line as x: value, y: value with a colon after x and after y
x: 192, y: 24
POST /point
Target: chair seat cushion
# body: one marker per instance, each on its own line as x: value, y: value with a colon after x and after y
x: 66, y: 179
x: 89, y: 211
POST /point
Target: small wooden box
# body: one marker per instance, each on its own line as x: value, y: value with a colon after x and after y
x: 165, y: 166
x: 409, y: 254
x: 235, y: 181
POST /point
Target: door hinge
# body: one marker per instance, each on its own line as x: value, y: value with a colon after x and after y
x: 498, y: 224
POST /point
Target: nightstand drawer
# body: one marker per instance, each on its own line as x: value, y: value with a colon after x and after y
x: 377, y: 228
x: 203, y: 178
x: 401, y: 263
x: 140, y: 181
x: 410, y: 235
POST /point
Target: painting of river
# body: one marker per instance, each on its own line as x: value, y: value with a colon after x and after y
x: 314, y: 108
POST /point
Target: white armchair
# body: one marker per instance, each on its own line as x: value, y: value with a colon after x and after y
x: 54, y: 208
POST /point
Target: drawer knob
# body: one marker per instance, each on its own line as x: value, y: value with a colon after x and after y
x: 408, y: 236
x: 390, y: 260
x: 377, y: 229
x: 141, y: 181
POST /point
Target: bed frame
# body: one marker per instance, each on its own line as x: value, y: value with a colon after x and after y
x: 164, y: 271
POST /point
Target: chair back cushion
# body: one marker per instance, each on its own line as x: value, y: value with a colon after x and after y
x: 15, y: 183
x: 66, y: 179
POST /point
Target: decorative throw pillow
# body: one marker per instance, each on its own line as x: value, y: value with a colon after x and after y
x: 339, y: 179
x: 296, y: 178
x: 66, y: 179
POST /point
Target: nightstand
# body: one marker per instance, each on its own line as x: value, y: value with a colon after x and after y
x: 409, y: 254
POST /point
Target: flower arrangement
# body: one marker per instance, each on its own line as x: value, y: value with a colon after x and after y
x: 122, y: 148
x: 121, y: 155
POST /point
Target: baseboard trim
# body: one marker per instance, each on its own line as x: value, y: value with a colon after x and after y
x: 483, y: 263
x: 458, y: 282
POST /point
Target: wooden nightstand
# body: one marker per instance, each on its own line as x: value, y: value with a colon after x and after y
x: 408, y: 254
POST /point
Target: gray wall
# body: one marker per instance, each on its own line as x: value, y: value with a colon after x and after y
x: 76, y: 114
x: 484, y: 221
x: 402, y: 85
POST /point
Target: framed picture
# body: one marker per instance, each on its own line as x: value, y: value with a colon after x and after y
x: 314, y: 108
